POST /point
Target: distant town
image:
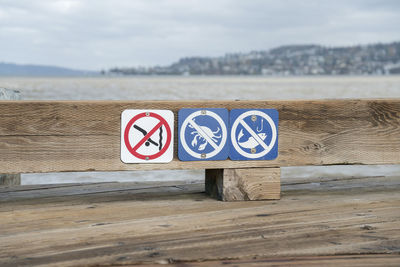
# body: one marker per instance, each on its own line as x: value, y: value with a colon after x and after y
x: 291, y: 60
x: 376, y: 59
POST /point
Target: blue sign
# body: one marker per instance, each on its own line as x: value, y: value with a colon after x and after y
x: 203, y: 134
x: 254, y: 134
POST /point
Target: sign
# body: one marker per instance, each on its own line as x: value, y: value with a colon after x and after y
x: 147, y: 136
x: 254, y: 134
x: 203, y: 134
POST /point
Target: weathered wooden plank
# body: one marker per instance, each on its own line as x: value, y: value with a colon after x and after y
x: 27, y: 193
x: 132, y: 226
x: 350, y: 183
x: 340, y: 260
x: 37, y: 136
x: 9, y: 179
x: 243, y: 184
x: 311, y: 185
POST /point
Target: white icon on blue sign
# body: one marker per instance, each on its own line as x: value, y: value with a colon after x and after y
x: 203, y: 134
x: 254, y: 134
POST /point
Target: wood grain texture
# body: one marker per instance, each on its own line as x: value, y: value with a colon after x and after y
x: 129, y: 223
x: 334, y: 261
x: 9, y: 179
x: 44, y: 136
x: 243, y: 184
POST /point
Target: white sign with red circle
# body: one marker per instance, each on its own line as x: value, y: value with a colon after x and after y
x: 147, y: 136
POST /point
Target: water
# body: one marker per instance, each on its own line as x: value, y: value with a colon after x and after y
x: 200, y: 88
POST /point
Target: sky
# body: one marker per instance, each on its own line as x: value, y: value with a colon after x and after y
x: 100, y: 34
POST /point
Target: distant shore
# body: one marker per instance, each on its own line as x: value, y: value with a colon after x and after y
x: 298, y: 60
x: 292, y: 60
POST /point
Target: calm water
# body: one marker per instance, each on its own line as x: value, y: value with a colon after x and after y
x: 192, y: 88
x: 173, y: 88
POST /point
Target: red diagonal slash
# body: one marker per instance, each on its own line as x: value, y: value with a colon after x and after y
x: 135, y: 148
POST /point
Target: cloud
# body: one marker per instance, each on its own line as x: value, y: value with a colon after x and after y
x: 100, y: 34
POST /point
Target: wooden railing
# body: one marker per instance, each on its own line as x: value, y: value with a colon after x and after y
x: 59, y: 136
x: 9, y: 179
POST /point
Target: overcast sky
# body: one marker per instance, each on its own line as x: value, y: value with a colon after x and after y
x: 95, y: 34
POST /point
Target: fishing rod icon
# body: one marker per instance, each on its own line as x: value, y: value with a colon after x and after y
x: 148, y: 141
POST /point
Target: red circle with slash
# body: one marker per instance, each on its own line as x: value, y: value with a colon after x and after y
x: 134, y: 149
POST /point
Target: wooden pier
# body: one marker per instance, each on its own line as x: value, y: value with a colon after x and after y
x: 325, y: 221
x: 351, y: 221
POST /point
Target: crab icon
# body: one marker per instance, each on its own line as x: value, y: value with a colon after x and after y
x: 203, y: 134
x: 198, y: 138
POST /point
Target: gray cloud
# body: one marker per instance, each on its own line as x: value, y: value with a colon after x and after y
x: 104, y: 33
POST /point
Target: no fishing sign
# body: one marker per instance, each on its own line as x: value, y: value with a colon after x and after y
x: 147, y: 136
x: 254, y: 134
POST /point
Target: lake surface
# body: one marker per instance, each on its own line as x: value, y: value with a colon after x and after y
x: 204, y: 87
x: 200, y: 88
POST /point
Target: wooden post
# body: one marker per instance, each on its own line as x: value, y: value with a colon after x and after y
x: 243, y: 184
x: 9, y: 179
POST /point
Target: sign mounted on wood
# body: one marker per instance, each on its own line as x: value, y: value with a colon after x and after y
x: 147, y: 136
x: 254, y: 134
x: 203, y: 134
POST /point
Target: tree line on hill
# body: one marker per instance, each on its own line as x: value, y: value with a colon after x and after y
x: 376, y: 59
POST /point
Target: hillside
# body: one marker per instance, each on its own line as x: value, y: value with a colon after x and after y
x: 10, y: 69
x: 377, y: 59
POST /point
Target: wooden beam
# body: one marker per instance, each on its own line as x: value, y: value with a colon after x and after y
x: 51, y: 136
x: 9, y: 179
x: 243, y: 184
